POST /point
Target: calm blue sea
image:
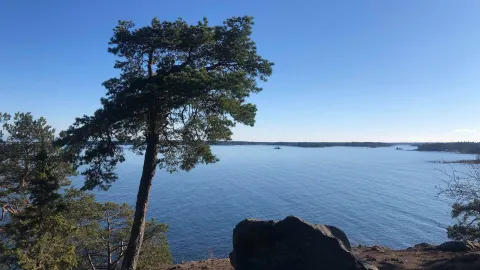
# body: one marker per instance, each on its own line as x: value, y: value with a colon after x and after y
x: 376, y: 195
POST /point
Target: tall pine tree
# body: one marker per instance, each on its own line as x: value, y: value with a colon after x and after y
x: 181, y: 88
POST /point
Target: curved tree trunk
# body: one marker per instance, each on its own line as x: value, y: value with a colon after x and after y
x: 149, y: 166
x: 138, y: 229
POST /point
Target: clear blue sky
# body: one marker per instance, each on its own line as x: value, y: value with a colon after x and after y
x: 357, y: 70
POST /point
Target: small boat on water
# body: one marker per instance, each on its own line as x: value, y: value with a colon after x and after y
x: 398, y: 148
x: 277, y: 147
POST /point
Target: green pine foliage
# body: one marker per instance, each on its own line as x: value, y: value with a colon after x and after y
x: 45, y: 227
x: 468, y: 221
x: 32, y: 171
x: 463, y: 186
x: 45, y: 245
x: 21, y: 163
x: 103, y: 230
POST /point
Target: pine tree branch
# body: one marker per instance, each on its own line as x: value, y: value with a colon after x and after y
x: 90, y: 260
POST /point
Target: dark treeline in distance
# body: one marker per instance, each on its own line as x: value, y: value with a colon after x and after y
x: 459, y: 147
x: 308, y: 144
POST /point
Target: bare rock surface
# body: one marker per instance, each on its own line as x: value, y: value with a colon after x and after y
x: 291, y: 244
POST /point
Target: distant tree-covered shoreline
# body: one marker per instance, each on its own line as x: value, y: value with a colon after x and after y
x: 308, y: 144
x: 459, y: 147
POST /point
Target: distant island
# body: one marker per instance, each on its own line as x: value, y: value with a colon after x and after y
x: 463, y: 161
x: 457, y: 147
x: 308, y: 144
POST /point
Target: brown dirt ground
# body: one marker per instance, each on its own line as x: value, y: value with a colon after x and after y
x: 418, y: 258
x: 382, y: 257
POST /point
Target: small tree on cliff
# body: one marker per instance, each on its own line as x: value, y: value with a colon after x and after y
x: 181, y: 87
x: 20, y: 162
x: 103, y: 230
x: 24, y: 154
x: 32, y: 170
x: 40, y: 232
x: 464, y: 187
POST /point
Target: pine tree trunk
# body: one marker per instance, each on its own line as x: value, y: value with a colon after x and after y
x: 138, y: 229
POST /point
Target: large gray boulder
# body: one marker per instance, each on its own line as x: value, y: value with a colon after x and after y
x: 290, y: 244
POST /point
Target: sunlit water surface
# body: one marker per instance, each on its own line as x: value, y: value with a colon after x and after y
x: 376, y: 195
